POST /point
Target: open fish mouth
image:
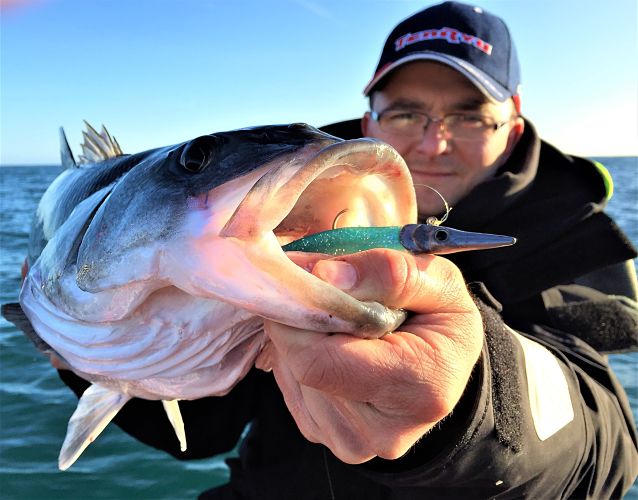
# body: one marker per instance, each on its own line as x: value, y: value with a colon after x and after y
x: 362, y: 183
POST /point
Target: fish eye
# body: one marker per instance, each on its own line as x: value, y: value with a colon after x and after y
x: 198, y: 153
x: 194, y: 161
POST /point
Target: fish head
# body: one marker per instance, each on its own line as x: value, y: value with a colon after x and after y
x: 209, y: 217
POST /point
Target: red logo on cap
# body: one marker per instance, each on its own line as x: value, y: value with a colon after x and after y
x: 450, y: 34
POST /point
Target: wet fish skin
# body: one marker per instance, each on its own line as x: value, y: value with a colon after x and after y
x: 257, y: 146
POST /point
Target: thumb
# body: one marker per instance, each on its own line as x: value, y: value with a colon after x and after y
x: 420, y: 283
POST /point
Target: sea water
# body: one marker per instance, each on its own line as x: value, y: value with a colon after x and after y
x: 35, y: 405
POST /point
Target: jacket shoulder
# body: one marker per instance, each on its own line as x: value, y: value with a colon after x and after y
x: 349, y: 129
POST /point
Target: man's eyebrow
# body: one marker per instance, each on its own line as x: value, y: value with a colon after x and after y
x: 405, y: 103
x: 472, y: 104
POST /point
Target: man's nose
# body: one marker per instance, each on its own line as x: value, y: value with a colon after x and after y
x: 434, y: 141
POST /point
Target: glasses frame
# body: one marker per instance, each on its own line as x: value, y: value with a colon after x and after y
x: 487, y: 126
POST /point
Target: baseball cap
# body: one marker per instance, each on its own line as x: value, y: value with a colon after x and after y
x: 466, y: 38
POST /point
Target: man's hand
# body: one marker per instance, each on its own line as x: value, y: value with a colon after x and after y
x: 365, y: 398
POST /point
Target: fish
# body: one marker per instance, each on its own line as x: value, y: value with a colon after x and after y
x: 150, y: 274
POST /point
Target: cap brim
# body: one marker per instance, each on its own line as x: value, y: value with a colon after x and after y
x: 488, y: 86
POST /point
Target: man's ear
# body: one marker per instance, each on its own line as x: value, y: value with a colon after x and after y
x: 515, y: 134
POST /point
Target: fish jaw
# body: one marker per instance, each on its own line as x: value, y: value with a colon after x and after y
x: 243, y: 263
x: 366, y: 177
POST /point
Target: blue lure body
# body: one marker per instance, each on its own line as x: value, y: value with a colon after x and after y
x: 416, y: 238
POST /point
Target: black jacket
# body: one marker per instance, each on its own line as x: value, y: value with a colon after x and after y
x: 577, y: 440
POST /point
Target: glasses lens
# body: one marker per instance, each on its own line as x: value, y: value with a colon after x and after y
x: 459, y: 126
x: 402, y: 122
x: 467, y: 127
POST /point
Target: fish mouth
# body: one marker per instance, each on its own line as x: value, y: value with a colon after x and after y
x: 362, y: 182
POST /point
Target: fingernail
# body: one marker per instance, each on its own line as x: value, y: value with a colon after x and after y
x: 336, y: 272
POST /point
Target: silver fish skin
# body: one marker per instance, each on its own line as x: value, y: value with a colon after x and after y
x: 150, y: 274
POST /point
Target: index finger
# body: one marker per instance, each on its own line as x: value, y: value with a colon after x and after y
x: 420, y: 283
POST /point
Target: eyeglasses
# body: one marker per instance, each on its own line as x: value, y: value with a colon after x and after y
x: 459, y: 126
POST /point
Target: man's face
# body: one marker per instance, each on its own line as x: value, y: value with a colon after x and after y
x: 452, y: 167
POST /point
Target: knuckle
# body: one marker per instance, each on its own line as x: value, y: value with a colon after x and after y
x: 405, y: 276
x: 399, y: 276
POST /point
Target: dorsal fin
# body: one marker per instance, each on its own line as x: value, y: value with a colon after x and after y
x: 66, y: 155
x: 98, y: 146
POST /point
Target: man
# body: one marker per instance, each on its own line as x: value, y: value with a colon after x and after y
x: 500, y: 390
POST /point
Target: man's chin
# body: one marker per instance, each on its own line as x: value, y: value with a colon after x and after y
x: 430, y: 203
x: 435, y: 193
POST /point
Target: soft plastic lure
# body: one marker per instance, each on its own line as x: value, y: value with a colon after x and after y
x: 416, y: 238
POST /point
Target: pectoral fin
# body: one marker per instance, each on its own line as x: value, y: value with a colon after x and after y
x: 175, y: 417
x: 95, y: 410
x: 13, y: 312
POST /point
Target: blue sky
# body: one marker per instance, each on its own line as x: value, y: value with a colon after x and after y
x: 157, y: 72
